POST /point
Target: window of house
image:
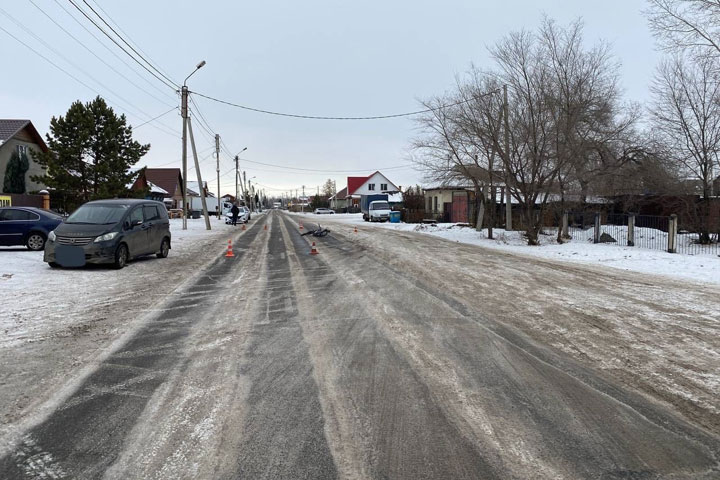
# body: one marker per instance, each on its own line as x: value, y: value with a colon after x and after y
x: 22, y: 150
x: 383, y: 186
x: 429, y: 204
x: 371, y: 186
x: 435, y: 204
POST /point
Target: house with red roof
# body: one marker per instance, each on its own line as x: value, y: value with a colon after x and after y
x: 372, y: 184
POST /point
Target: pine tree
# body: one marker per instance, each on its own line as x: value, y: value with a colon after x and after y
x: 17, y: 167
x: 91, y: 152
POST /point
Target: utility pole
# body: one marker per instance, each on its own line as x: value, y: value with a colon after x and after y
x: 237, y: 175
x: 217, y: 168
x: 183, y: 113
x: 302, y: 205
x: 201, y: 185
x: 508, y: 197
x: 244, y: 186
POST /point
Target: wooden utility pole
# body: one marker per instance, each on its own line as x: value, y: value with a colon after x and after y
x: 183, y: 113
x: 201, y: 186
x: 217, y: 168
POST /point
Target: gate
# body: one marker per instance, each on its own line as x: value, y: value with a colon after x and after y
x: 459, y: 207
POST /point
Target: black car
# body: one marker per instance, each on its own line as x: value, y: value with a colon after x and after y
x: 110, y: 231
x: 27, y: 226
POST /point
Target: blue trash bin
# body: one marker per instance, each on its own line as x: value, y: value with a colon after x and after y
x: 394, y: 217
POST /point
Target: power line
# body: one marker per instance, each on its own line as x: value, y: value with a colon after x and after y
x: 284, y: 167
x: 70, y: 74
x: 171, y: 85
x: 316, y: 117
x: 153, y: 119
x: 125, y: 33
x: 126, y: 43
x: 97, y: 56
x: 112, y: 52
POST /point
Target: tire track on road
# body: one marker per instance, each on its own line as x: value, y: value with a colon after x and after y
x: 85, y: 434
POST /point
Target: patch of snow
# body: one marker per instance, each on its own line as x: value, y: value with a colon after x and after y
x: 580, y: 249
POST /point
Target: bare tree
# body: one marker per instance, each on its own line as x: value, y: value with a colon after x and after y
x: 566, y: 124
x: 686, y: 113
x: 687, y: 24
x: 328, y: 188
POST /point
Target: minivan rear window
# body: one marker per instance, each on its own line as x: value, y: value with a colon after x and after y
x: 97, y: 214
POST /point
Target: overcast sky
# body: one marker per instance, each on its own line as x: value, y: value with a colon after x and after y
x: 329, y: 58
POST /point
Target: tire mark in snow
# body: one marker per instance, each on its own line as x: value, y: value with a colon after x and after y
x: 85, y: 434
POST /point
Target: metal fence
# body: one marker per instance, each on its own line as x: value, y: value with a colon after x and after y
x: 643, y: 231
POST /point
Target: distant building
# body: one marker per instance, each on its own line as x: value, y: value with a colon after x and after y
x: 167, y: 179
x: 374, y: 183
x: 21, y: 137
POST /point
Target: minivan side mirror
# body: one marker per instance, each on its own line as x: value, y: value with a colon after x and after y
x: 135, y: 223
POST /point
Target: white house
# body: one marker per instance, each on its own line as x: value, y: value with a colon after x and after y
x: 372, y: 184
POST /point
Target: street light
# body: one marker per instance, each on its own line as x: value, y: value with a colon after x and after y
x: 184, y: 114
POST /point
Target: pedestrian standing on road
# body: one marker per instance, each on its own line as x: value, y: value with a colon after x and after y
x: 235, y: 211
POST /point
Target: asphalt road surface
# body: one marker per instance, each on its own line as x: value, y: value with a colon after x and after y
x: 280, y: 364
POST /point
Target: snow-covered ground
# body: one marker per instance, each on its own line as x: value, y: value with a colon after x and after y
x: 53, y: 321
x: 701, y: 268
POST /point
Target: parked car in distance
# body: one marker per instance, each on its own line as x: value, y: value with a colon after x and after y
x: 27, y: 226
x: 243, y: 216
x: 323, y: 211
x: 110, y: 231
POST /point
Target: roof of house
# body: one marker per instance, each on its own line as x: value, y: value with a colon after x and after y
x: 165, y: 178
x: 340, y: 195
x: 356, y: 182
x: 9, y: 128
x: 155, y: 189
x: 353, y: 183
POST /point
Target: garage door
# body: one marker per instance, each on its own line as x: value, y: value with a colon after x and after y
x: 459, y: 208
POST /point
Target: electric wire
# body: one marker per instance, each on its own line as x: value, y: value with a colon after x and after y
x: 170, y: 85
x: 98, y: 56
x: 92, y: 89
x: 155, y: 118
x: 113, y: 53
x: 126, y: 43
x: 318, y: 117
x: 126, y: 35
x: 285, y: 167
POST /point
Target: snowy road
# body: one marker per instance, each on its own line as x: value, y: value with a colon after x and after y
x: 395, y: 355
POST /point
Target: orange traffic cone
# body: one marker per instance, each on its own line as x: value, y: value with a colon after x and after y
x: 301, y: 227
x: 313, y: 250
x: 229, y: 249
x: 355, y: 229
x: 243, y: 227
x: 266, y: 226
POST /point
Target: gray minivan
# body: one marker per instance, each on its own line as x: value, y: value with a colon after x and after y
x: 110, y: 231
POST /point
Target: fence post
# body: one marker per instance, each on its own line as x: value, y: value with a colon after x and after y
x: 631, y: 230
x: 564, y: 232
x: 672, y: 234
x: 597, y: 228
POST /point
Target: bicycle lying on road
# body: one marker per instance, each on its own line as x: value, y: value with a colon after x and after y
x: 318, y: 232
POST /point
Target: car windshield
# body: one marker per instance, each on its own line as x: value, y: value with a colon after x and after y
x: 381, y: 206
x: 97, y: 214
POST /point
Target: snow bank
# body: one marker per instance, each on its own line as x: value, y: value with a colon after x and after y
x: 700, y: 268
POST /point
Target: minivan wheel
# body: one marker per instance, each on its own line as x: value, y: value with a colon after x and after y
x: 54, y: 265
x: 121, y: 256
x: 35, y: 242
x: 164, y: 248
